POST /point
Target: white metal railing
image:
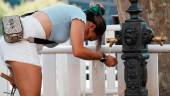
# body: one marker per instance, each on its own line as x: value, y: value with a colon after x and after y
x: 152, y: 48
x: 65, y: 75
x: 97, y: 72
x: 70, y: 77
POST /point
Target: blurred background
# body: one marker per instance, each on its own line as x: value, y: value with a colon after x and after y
x: 18, y: 7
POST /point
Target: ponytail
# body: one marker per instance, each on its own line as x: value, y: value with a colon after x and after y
x: 95, y: 15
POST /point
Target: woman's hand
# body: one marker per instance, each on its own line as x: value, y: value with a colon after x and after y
x: 110, y: 61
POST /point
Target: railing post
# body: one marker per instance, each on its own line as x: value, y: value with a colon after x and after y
x: 74, y: 76
x: 98, y: 78
x: 83, y: 77
x: 62, y: 74
x: 111, y: 81
x: 121, y: 79
x: 153, y: 78
x: 111, y: 76
x: 49, y: 75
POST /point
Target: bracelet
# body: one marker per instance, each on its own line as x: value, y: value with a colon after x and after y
x: 103, y: 59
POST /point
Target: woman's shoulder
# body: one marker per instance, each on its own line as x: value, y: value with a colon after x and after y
x: 58, y: 12
x: 60, y: 9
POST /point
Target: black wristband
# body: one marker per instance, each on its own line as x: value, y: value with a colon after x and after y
x: 103, y: 59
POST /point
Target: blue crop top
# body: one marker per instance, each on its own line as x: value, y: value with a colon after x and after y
x: 61, y: 17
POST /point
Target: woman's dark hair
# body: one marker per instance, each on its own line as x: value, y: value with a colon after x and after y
x: 100, y: 23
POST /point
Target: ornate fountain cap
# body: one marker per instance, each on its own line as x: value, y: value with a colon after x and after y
x: 134, y: 8
x: 133, y: 1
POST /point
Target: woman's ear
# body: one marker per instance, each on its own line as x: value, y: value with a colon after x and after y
x: 92, y: 26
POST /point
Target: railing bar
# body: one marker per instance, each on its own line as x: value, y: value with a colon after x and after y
x: 115, y: 49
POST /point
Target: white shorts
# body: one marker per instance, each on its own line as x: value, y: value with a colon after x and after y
x: 24, y: 51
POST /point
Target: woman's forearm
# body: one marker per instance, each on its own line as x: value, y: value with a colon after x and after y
x: 87, y: 54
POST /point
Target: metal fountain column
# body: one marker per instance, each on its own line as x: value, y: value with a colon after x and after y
x: 134, y: 38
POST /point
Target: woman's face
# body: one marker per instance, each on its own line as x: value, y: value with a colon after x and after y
x: 92, y: 36
x: 89, y: 33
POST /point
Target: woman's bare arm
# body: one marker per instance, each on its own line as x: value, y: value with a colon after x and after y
x: 77, y: 39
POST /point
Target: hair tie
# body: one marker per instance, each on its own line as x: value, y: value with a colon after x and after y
x: 97, y: 10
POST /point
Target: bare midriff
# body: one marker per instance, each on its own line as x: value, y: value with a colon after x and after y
x: 44, y: 21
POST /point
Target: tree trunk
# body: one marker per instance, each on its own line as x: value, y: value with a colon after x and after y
x: 157, y: 15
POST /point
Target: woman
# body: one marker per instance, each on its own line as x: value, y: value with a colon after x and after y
x: 57, y: 23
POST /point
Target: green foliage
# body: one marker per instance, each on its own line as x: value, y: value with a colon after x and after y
x: 31, y: 6
x: 4, y: 8
x: 25, y: 7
